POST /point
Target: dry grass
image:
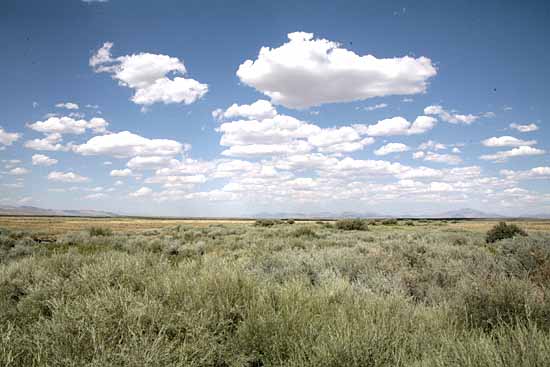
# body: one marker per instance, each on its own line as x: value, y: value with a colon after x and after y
x: 60, y: 225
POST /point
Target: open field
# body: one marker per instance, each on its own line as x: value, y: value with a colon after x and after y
x: 136, y: 292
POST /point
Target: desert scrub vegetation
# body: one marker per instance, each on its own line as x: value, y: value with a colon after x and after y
x: 279, y: 295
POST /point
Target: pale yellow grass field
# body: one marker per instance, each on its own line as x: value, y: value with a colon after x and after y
x: 60, y: 225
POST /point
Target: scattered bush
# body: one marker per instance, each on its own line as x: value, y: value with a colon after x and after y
x: 265, y: 222
x: 502, y: 231
x: 100, y: 231
x: 389, y: 222
x: 409, y: 223
x: 290, y: 221
x: 304, y: 231
x: 355, y: 224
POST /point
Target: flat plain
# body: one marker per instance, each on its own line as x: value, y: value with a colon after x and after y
x: 186, y: 292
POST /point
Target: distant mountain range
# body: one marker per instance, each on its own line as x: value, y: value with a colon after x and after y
x: 32, y: 210
x: 467, y: 213
x: 460, y: 213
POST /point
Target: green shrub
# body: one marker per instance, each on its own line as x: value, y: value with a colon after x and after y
x: 502, y: 231
x: 352, y: 224
x: 290, y: 221
x: 409, y: 223
x: 100, y: 231
x: 389, y: 222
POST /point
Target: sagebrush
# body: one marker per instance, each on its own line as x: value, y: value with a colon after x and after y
x: 282, y: 295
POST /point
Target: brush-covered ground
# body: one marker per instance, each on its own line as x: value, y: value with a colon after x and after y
x: 415, y: 293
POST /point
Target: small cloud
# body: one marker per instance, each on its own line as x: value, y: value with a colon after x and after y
x: 144, y: 191
x: 43, y: 160
x: 524, y: 128
x: 391, y: 148
x: 67, y: 105
x: 376, y: 107
x: 121, y: 172
x: 18, y: 171
x: 66, y: 177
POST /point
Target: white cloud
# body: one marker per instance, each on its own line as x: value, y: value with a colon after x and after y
x: 18, y: 171
x: 10, y: 163
x: 176, y: 181
x: 126, y: 144
x: 295, y: 147
x: 280, y: 129
x: 118, y: 183
x: 440, y: 186
x: 66, y: 177
x: 143, y: 191
x: 418, y: 155
x: 516, y: 152
x: 152, y: 162
x: 50, y: 143
x: 68, y: 105
x: 7, y: 138
x: 533, y: 173
x: 524, y: 128
x: 259, y: 110
x: 376, y: 107
x: 43, y: 160
x: 391, y: 148
x: 398, y: 126
x: 68, y: 125
x: 121, y: 172
x: 146, y: 73
x: 98, y: 195
x: 442, y: 158
x: 306, y: 72
x: 430, y: 144
x: 342, y: 139
x: 506, y: 141
x: 277, y: 135
x: 447, y: 116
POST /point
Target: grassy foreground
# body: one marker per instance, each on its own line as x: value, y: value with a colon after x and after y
x: 304, y: 294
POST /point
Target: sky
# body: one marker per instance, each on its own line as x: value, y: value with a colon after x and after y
x: 220, y: 108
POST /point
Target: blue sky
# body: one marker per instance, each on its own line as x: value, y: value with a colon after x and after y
x: 154, y: 109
